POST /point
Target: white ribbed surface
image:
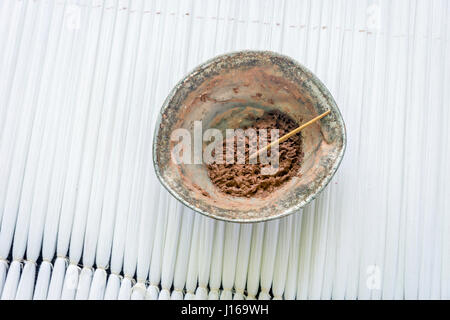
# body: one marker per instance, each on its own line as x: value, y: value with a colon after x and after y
x: 81, y: 83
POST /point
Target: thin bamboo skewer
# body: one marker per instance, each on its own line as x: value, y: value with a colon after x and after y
x: 290, y: 134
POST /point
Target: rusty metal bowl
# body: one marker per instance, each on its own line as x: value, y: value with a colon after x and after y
x: 222, y: 93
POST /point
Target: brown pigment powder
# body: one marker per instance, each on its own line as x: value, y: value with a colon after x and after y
x: 246, y: 180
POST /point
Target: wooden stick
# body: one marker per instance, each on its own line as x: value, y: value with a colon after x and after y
x: 290, y: 134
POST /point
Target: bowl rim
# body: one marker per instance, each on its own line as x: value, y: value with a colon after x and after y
x: 320, y: 85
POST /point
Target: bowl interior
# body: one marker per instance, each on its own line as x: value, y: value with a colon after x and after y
x: 224, y: 93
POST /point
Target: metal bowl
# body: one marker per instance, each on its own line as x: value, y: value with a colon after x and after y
x: 222, y: 92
